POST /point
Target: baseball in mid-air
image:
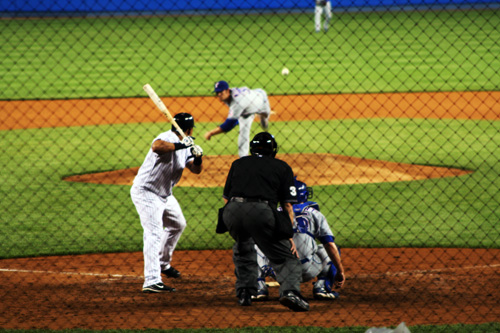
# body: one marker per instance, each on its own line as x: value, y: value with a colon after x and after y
x: 285, y: 71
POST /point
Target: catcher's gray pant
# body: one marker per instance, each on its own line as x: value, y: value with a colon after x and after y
x: 251, y: 223
x: 315, y: 266
x: 163, y: 224
x: 312, y: 267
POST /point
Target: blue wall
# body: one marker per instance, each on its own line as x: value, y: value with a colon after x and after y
x: 189, y: 5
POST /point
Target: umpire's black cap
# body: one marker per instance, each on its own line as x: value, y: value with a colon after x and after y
x: 184, y: 120
x: 264, y: 143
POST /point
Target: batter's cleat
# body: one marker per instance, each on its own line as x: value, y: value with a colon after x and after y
x: 323, y: 294
x: 172, y: 272
x: 245, y: 299
x: 294, y: 301
x: 157, y: 288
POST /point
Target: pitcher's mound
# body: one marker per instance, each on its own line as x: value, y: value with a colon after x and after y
x: 313, y: 169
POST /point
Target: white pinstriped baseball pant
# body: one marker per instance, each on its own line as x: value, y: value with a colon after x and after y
x: 163, y: 224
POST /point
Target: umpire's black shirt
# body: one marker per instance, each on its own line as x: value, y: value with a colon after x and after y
x: 261, y: 177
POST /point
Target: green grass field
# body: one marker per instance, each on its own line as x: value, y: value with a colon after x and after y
x: 362, y: 52
x: 368, y: 52
x: 44, y: 215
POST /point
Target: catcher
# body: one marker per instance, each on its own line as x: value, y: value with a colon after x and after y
x: 318, y: 260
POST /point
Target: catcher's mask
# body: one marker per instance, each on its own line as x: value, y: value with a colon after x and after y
x: 303, y: 192
x: 263, y: 143
x: 184, y: 120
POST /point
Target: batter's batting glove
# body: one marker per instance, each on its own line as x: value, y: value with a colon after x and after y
x: 188, y: 141
x: 196, y: 151
x: 185, y: 143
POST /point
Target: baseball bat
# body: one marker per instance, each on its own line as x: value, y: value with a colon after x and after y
x: 159, y: 103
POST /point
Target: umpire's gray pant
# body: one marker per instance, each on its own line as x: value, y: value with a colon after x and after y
x: 252, y: 223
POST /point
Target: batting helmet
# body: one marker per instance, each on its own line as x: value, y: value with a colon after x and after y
x: 263, y: 143
x: 303, y: 192
x: 184, y: 120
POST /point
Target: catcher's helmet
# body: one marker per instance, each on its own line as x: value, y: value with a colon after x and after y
x: 263, y: 143
x: 184, y: 120
x: 303, y: 192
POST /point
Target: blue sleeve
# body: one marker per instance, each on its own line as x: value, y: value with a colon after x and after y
x: 326, y: 239
x: 229, y: 124
x: 322, y: 230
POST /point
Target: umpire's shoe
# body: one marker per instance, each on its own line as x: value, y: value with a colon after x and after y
x: 172, y: 272
x: 294, y: 301
x: 245, y: 298
x: 157, y: 288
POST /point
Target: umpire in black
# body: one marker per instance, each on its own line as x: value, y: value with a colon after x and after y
x: 254, y: 187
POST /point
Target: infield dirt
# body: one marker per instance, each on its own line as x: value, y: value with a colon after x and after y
x: 383, y: 288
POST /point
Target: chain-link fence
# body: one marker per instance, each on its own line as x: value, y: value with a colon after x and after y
x: 388, y: 110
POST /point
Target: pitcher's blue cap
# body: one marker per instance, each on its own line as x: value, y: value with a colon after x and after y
x: 220, y: 86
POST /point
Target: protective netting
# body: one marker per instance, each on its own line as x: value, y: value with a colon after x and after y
x: 389, y: 110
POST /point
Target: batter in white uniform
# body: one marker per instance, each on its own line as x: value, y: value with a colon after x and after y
x: 160, y: 213
x: 244, y: 104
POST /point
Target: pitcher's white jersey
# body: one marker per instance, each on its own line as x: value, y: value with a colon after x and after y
x: 245, y: 102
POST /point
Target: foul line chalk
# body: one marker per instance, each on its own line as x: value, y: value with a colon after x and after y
x: 423, y: 271
x: 70, y: 273
x: 271, y: 284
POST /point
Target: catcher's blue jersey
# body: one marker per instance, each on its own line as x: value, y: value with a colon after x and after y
x: 310, y: 225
